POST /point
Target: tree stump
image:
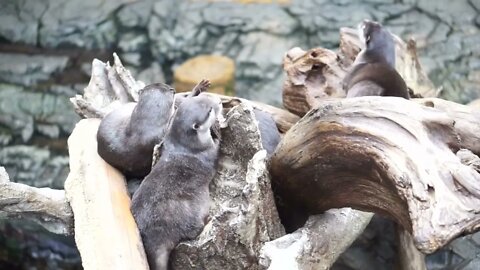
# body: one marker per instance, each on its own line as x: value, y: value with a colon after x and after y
x: 219, y: 70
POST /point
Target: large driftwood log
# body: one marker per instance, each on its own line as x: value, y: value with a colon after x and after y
x: 317, y: 74
x: 48, y: 207
x: 105, y: 232
x: 388, y: 155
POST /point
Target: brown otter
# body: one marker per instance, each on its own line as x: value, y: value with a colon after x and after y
x: 127, y: 135
x: 172, y: 202
x: 373, y: 72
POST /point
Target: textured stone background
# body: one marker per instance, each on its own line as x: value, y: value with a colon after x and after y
x: 46, y: 47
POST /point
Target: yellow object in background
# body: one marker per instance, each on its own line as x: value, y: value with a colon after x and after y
x: 219, y: 70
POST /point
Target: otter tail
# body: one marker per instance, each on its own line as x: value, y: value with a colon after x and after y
x: 158, y: 256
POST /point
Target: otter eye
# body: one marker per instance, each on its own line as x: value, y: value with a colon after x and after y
x: 195, y: 126
x: 367, y: 39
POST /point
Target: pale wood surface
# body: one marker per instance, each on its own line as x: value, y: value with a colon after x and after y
x: 389, y: 155
x: 105, y: 231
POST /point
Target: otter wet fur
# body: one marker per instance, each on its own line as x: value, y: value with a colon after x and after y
x: 172, y: 203
x: 126, y: 136
x: 373, y: 72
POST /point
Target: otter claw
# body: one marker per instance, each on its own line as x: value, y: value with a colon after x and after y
x: 202, y: 86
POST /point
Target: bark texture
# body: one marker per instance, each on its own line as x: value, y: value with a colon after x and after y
x: 387, y: 155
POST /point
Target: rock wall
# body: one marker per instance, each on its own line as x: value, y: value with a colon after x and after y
x: 46, y: 48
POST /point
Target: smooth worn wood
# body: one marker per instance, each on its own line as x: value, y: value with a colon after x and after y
x: 105, y: 231
x: 409, y: 257
x: 47, y: 207
x: 388, y: 155
x: 317, y: 74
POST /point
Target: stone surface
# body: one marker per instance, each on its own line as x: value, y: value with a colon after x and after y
x: 29, y: 70
x: 19, y: 20
x: 24, y: 113
x: 93, y: 27
x: 34, y: 166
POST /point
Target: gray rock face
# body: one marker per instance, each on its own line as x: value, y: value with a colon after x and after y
x: 34, y: 166
x: 19, y: 20
x: 29, y: 70
x: 24, y: 113
x: 83, y: 24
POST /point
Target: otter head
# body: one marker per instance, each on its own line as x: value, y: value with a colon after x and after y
x: 377, y: 41
x: 156, y: 88
x: 158, y: 98
x: 191, y: 125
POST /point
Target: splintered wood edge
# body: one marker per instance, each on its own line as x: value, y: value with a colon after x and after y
x: 105, y: 230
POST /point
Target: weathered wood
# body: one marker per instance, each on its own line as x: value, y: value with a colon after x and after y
x: 105, y: 231
x: 409, y: 258
x: 312, y: 75
x: 109, y: 87
x: 318, y: 244
x: 475, y: 103
x: 317, y: 74
x: 47, y: 207
x: 284, y: 119
x: 387, y: 155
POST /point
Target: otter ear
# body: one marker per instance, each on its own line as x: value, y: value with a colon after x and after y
x: 195, y: 126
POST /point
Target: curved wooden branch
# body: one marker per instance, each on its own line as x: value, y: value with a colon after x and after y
x: 388, y: 155
x: 47, y: 207
x: 318, y: 244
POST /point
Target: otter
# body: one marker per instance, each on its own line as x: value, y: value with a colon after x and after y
x: 127, y: 135
x: 268, y: 131
x: 373, y: 71
x: 172, y: 202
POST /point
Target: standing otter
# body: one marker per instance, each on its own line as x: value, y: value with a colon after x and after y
x: 127, y: 135
x: 373, y: 72
x: 172, y: 202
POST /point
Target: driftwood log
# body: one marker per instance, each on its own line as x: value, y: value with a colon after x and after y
x: 105, y: 232
x: 47, y: 207
x: 388, y: 155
